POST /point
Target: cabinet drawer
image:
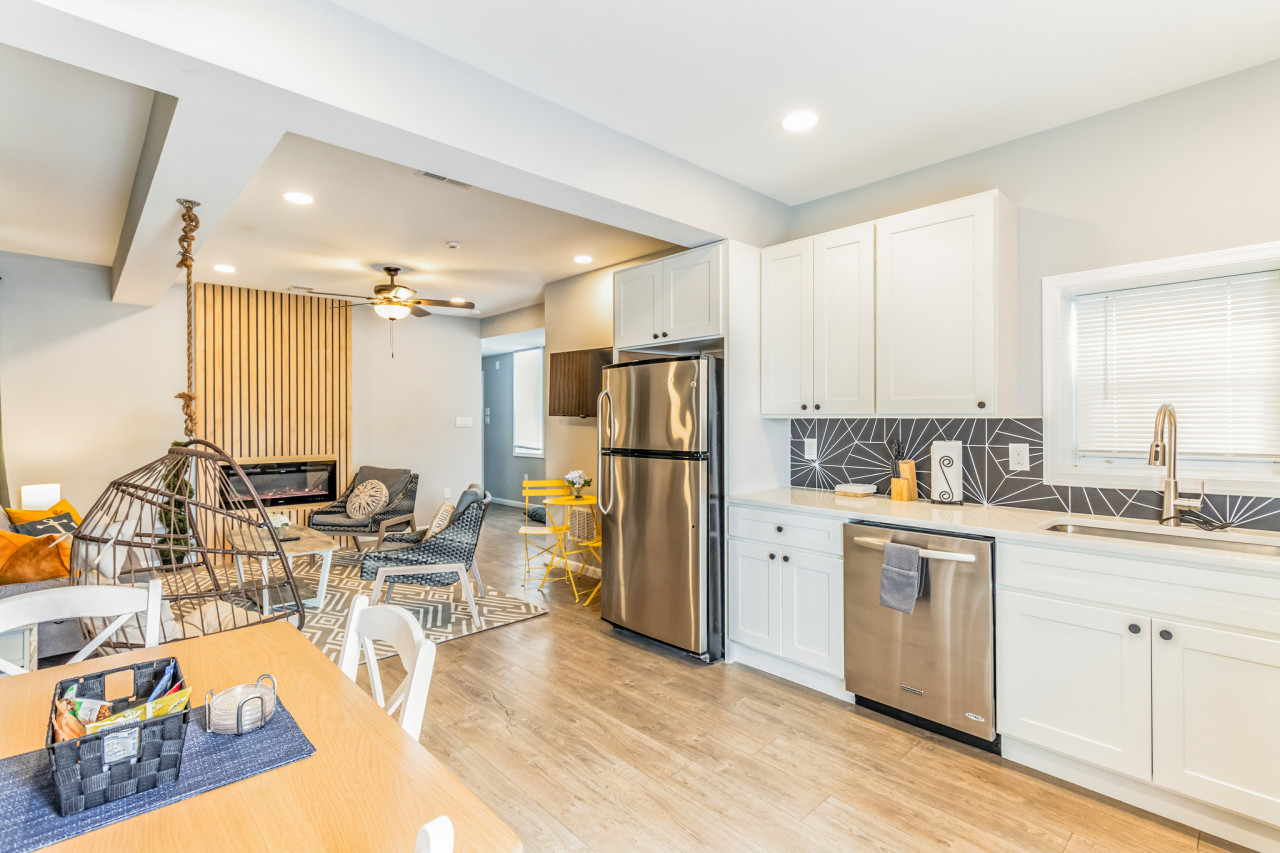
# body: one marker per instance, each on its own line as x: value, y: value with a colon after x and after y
x: 787, y: 529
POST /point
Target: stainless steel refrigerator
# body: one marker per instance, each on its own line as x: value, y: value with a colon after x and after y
x: 660, y: 487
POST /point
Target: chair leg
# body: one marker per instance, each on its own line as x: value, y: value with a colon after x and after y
x: 475, y: 570
x: 466, y: 592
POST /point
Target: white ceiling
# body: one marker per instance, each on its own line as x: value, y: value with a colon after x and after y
x: 68, y: 152
x: 897, y: 85
x: 369, y: 213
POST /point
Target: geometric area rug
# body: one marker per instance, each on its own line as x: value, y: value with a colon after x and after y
x: 442, y: 611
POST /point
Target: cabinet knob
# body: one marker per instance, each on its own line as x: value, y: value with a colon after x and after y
x: 786, y: 559
x: 1135, y: 628
x: 804, y: 407
x: 779, y: 528
x: 773, y: 556
x: 655, y: 336
x: 817, y: 406
x: 982, y: 404
x: 664, y: 334
x: 1166, y: 634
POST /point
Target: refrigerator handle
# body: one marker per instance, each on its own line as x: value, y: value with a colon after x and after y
x: 600, y: 488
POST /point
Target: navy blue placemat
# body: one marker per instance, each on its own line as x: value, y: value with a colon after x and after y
x: 29, y: 817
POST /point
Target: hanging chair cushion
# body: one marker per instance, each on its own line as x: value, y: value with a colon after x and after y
x: 366, y: 499
x: 395, y: 479
x: 27, y: 559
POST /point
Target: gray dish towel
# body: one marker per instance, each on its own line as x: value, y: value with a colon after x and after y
x: 901, y: 577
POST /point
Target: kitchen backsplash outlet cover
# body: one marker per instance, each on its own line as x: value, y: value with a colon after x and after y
x: 859, y: 450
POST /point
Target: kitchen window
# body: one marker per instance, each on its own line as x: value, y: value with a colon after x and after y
x: 1120, y: 342
x: 526, y: 402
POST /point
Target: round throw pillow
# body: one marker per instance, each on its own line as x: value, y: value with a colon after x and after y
x: 366, y: 499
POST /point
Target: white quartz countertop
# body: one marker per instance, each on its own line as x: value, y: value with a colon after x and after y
x: 1010, y: 524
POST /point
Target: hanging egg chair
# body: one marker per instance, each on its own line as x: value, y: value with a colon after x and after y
x: 212, y: 546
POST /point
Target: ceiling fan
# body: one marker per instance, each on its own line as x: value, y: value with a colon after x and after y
x: 395, y: 301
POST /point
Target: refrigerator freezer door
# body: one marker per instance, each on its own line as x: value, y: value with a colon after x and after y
x: 655, y: 550
x: 658, y: 406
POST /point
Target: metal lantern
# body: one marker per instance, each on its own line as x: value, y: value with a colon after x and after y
x: 180, y: 520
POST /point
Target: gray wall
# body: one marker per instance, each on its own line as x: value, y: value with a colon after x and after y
x: 503, y: 470
x: 1187, y: 172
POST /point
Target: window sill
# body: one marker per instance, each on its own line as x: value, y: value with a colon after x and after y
x: 528, y: 454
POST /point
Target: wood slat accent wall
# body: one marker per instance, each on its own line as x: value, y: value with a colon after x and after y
x: 273, y: 375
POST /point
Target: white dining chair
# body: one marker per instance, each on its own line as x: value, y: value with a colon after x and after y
x: 394, y: 626
x: 84, y: 602
x: 436, y: 836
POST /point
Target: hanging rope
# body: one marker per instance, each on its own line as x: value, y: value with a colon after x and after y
x: 187, y: 261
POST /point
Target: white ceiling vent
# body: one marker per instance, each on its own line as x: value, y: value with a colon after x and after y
x: 442, y: 179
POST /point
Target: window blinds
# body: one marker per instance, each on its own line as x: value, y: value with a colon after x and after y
x: 1211, y: 348
x: 526, y: 402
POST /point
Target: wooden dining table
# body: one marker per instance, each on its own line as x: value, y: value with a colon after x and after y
x: 369, y: 785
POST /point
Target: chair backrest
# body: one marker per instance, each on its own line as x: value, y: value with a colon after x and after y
x: 84, y: 602
x: 435, y: 836
x: 394, y: 626
x: 543, y: 489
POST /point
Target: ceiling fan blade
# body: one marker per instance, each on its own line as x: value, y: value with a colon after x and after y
x: 351, y: 304
x: 418, y: 311
x: 334, y: 295
x: 442, y: 303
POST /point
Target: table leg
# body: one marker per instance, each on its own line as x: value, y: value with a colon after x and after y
x: 326, y: 560
x: 264, y: 565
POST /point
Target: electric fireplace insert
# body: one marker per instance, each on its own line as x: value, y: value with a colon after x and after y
x: 285, y: 483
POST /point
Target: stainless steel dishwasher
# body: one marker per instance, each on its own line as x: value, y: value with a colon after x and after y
x: 937, y: 664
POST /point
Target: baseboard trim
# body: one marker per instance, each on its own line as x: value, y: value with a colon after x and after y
x: 505, y: 502
x: 789, y: 670
x: 1145, y: 795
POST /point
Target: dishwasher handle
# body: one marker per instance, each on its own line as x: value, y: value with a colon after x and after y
x: 925, y: 553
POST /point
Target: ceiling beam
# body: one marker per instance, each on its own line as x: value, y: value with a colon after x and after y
x: 191, y: 150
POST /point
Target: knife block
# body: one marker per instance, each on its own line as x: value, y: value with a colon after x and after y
x: 903, y: 487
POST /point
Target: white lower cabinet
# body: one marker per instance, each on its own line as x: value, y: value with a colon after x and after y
x: 1215, y: 698
x: 1075, y: 679
x: 788, y: 603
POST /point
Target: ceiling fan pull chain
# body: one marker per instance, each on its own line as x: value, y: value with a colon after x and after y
x: 392, y: 324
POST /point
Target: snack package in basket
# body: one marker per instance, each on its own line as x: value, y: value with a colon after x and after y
x: 169, y: 704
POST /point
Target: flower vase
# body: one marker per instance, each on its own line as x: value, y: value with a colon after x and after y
x: 577, y: 493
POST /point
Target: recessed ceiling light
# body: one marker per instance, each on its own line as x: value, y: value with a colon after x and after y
x: 453, y: 244
x: 583, y: 259
x: 458, y: 300
x: 800, y: 121
x: 223, y: 268
x: 298, y: 198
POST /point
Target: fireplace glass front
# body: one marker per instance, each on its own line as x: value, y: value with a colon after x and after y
x: 285, y: 483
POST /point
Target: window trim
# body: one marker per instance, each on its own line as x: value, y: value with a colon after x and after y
x: 1061, y: 466
x: 516, y: 449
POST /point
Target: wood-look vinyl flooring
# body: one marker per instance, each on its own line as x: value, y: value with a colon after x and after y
x: 582, y: 737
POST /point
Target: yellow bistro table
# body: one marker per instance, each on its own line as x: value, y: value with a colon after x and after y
x: 581, y: 547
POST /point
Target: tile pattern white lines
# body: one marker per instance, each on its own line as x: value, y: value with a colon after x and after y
x: 860, y: 450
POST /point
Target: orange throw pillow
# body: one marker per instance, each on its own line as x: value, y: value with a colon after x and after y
x: 22, y: 516
x: 36, y: 559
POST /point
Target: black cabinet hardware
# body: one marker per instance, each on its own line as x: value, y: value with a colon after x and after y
x: 1166, y: 634
x: 1135, y: 629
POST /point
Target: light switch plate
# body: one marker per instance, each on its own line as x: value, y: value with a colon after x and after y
x: 1019, y: 457
x: 811, y: 449
x: 448, y: 493
x: 462, y: 422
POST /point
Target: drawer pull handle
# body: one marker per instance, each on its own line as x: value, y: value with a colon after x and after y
x: 773, y: 556
x: 924, y: 552
x: 1135, y: 628
x: 779, y: 528
x: 786, y: 559
x: 1166, y: 634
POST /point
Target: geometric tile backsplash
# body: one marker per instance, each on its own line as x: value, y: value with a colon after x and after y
x: 859, y: 450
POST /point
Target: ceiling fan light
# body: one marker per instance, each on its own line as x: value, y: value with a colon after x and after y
x: 401, y: 292
x: 391, y: 310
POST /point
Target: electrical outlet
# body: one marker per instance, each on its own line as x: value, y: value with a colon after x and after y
x: 811, y: 449
x: 448, y: 493
x: 462, y: 422
x: 1019, y: 457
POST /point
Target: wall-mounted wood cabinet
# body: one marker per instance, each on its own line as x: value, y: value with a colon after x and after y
x: 574, y: 381
x: 678, y: 298
x: 914, y: 314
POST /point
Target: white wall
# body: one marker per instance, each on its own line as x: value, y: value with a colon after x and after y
x: 519, y: 320
x: 1187, y: 172
x: 403, y: 408
x: 87, y: 384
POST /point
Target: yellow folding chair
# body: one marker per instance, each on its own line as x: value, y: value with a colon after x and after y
x: 543, y: 540
x: 584, y: 533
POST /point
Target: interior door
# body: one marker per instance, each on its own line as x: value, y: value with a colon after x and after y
x: 691, y: 294
x: 935, y: 309
x: 1214, y: 700
x: 1075, y: 679
x: 655, y: 549
x: 844, y: 321
x: 637, y: 301
x: 786, y: 329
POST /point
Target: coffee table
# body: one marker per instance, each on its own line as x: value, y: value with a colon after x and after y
x: 310, y: 543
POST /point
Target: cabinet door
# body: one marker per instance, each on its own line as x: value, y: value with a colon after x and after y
x: 844, y: 321
x: 1215, y: 695
x: 691, y: 294
x: 1075, y: 679
x: 786, y: 329
x: 935, y: 309
x: 755, y: 596
x: 637, y: 301
x: 813, y: 611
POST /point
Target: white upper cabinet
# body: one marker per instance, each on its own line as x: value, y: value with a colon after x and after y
x: 946, y: 309
x: 817, y: 344
x: 678, y: 298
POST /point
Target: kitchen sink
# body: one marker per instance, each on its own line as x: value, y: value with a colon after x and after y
x: 1186, y: 539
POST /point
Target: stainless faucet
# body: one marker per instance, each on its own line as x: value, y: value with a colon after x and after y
x: 1167, y: 455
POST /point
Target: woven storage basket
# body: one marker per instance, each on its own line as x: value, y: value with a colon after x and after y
x: 150, y: 751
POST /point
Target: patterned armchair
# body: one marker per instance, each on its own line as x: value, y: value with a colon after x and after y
x: 448, y: 557
x: 397, y: 516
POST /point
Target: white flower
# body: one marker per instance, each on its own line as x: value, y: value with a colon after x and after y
x: 576, y: 477
x: 278, y: 519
